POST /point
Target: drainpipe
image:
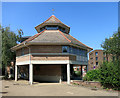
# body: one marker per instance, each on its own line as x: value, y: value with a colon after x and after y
x: 29, y: 57
x: 29, y: 51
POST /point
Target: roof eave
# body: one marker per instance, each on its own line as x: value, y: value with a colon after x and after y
x: 86, y: 48
x: 44, y: 24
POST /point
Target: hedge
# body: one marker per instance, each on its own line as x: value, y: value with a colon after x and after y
x: 92, y: 75
x: 110, y: 75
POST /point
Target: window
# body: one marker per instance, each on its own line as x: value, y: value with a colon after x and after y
x: 80, y: 52
x: 91, y: 53
x: 83, y: 52
x: 77, y: 51
x: 22, y: 51
x: 61, y: 29
x: 96, y: 63
x: 91, y: 62
x: 41, y: 29
x: 64, y: 49
x: 104, y: 58
x: 96, y: 53
x: 96, y: 58
x: 70, y: 49
x: 104, y: 53
x: 54, y: 27
x: 91, y: 58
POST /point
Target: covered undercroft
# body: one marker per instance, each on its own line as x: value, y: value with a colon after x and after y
x: 47, y: 72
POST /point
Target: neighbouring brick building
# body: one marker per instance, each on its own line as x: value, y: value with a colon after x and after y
x: 96, y: 57
x: 50, y: 54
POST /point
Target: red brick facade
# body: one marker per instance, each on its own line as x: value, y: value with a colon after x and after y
x: 43, y: 49
x: 96, y: 57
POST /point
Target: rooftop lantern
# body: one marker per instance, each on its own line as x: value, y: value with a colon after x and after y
x: 53, y: 23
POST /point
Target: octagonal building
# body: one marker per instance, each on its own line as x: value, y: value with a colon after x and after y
x: 51, y: 54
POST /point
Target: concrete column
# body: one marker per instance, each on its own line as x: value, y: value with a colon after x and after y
x: 68, y: 73
x: 60, y: 81
x: 16, y: 72
x: 31, y: 73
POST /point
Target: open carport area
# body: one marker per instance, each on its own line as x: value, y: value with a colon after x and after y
x: 22, y: 88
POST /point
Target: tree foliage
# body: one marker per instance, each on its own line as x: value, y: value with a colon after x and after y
x: 92, y: 75
x: 109, y: 75
x: 110, y: 71
x: 9, y: 39
x: 112, y: 45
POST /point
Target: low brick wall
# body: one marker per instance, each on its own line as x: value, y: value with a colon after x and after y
x: 87, y: 83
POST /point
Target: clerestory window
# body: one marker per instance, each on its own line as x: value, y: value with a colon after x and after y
x: 65, y: 49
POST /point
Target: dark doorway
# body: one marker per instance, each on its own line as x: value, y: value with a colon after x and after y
x: 23, y: 72
x: 64, y: 72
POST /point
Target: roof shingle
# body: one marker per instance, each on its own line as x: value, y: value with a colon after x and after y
x: 53, y: 37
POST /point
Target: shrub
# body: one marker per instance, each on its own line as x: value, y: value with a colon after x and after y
x: 92, y: 75
x: 110, y: 75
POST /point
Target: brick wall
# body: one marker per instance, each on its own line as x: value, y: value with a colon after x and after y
x: 22, y: 58
x: 50, y: 70
x: 47, y: 73
x: 48, y: 57
x: 44, y: 57
x: 40, y: 49
x: 87, y: 83
x: 19, y: 51
x: 92, y: 58
x: 46, y: 49
x: 43, y: 49
x: 72, y: 57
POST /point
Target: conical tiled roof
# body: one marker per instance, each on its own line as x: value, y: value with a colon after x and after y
x: 54, y: 37
x: 52, y: 21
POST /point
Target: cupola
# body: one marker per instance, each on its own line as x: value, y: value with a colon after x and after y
x: 53, y: 23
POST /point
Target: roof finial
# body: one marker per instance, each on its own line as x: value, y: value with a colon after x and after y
x: 53, y: 11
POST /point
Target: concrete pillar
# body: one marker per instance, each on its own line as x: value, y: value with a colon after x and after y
x: 16, y: 72
x: 60, y: 81
x: 68, y: 73
x: 31, y: 73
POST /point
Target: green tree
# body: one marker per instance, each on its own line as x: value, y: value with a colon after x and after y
x: 112, y: 45
x: 110, y: 71
x: 9, y: 39
x: 110, y: 75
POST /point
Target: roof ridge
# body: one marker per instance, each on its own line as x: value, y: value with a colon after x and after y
x: 44, y: 21
x: 80, y: 42
x: 64, y: 36
x: 33, y: 37
x: 57, y: 19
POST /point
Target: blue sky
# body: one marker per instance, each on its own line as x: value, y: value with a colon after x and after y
x: 90, y: 22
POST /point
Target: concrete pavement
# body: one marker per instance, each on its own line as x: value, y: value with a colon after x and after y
x: 22, y: 88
